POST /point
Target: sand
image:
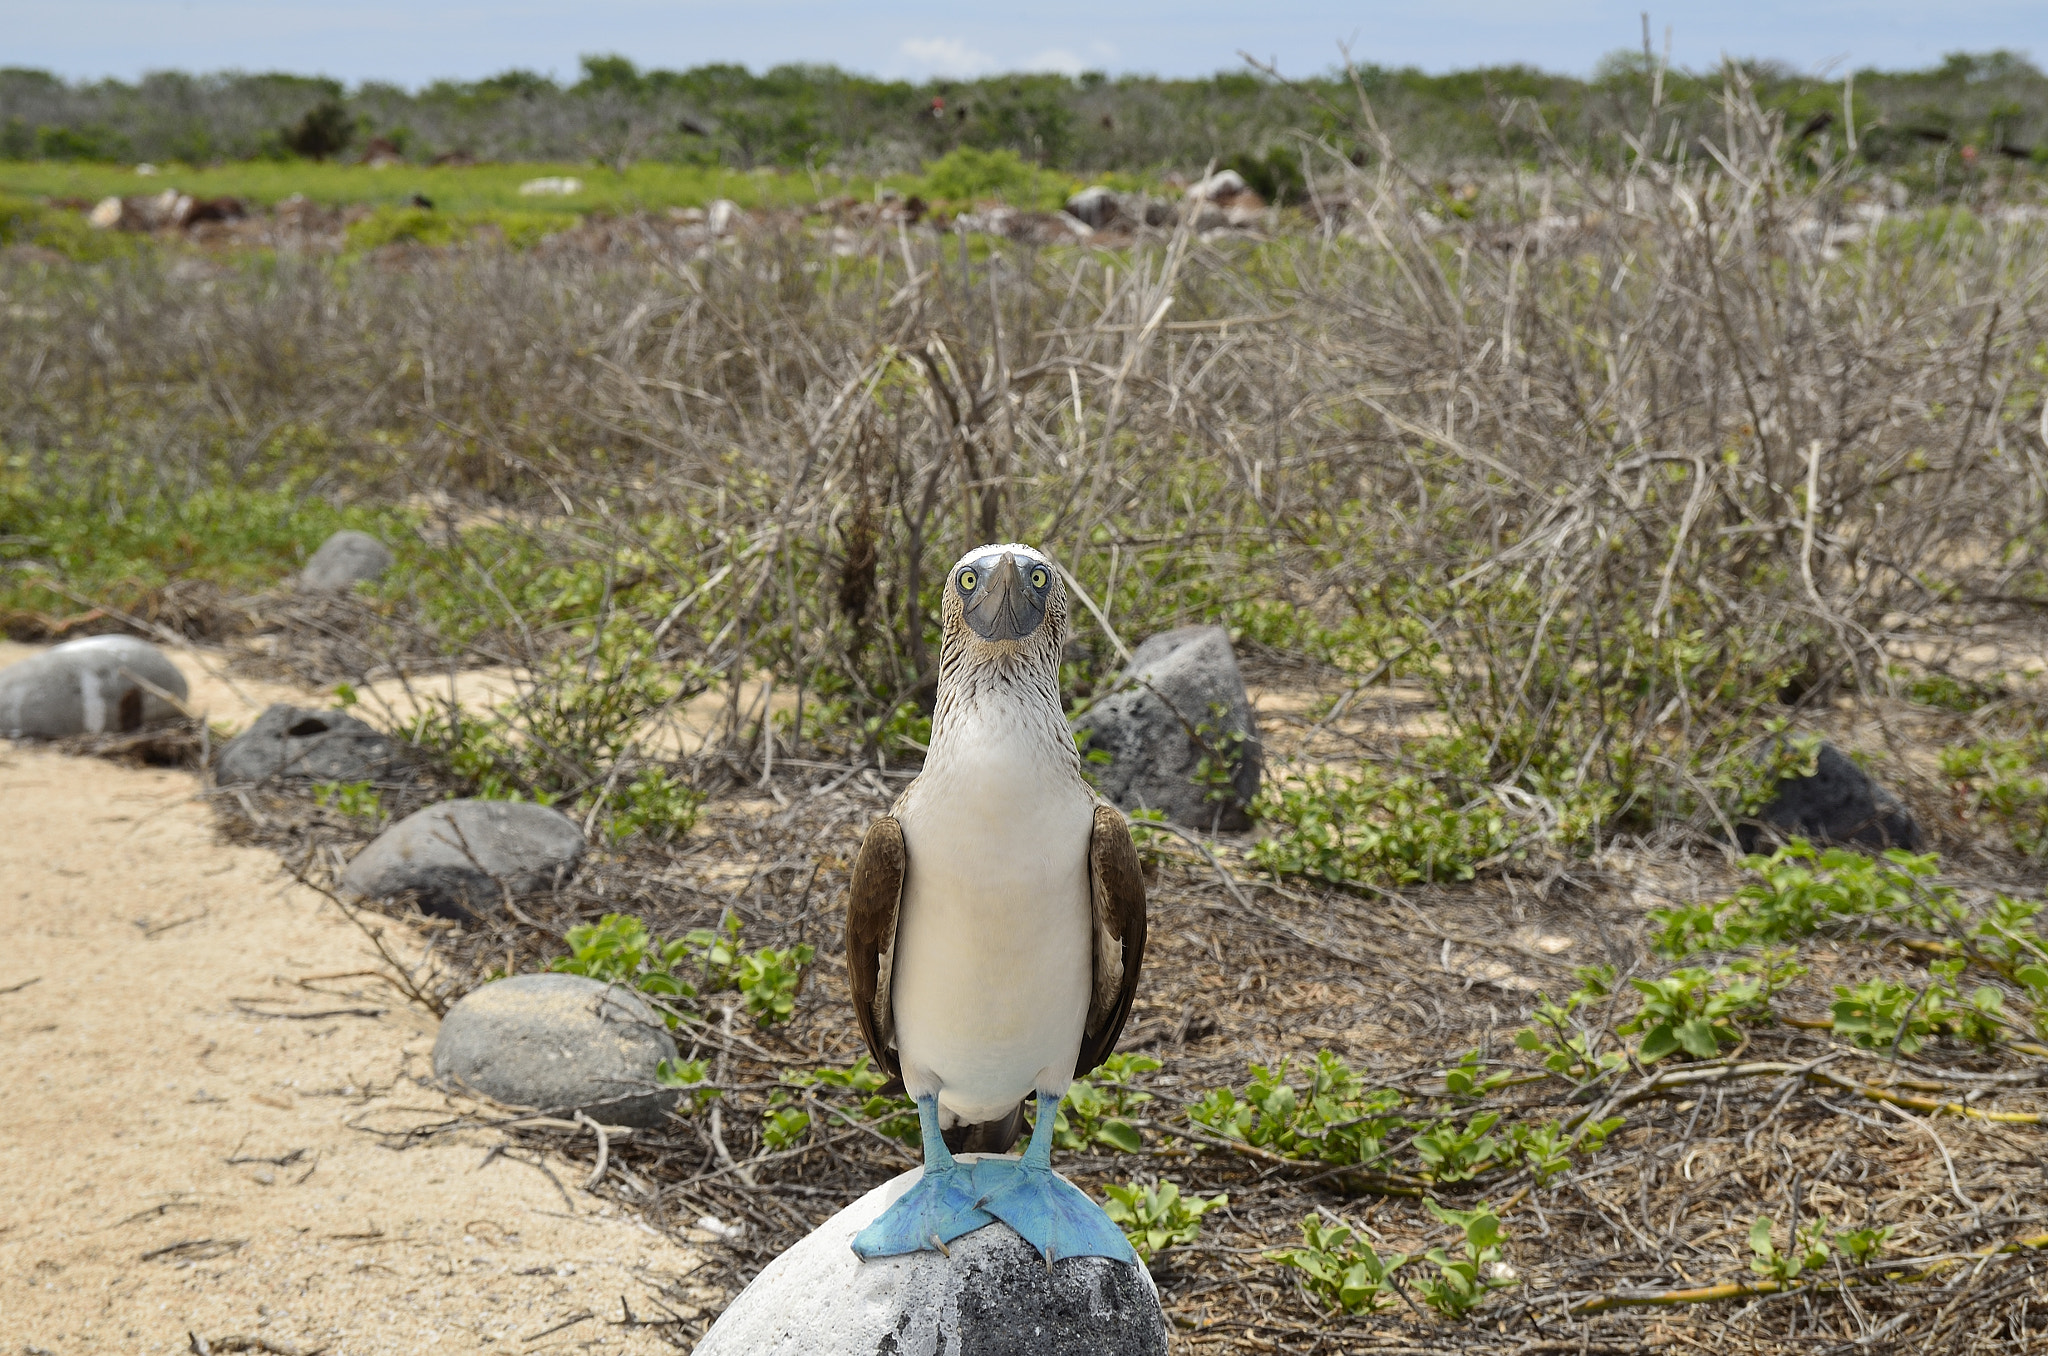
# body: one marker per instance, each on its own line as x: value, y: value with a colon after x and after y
x: 139, y: 953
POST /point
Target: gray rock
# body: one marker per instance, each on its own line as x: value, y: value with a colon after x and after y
x: 344, y: 560
x: 992, y: 1297
x: 559, y: 1043
x: 293, y: 743
x: 1095, y: 206
x: 458, y: 858
x: 1838, y: 804
x: 1183, y: 682
x: 96, y: 685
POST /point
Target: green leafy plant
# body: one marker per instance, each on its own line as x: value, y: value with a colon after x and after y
x: 1372, y: 827
x: 1684, y: 1011
x: 1468, y: 1080
x: 894, y: 1116
x: 656, y: 804
x: 768, y: 980
x: 1097, y: 1107
x: 618, y: 949
x: 2006, y: 780
x: 1331, y: 1119
x: 357, y: 800
x: 1569, y: 1046
x: 1450, y: 1152
x: 2007, y: 933
x: 690, y: 1076
x: 1466, y: 1276
x: 1809, y: 1250
x: 1802, y: 890
x: 1344, y: 1274
x: 1546, y: 1149
x: 1883, y: 1014
x: 1860, y: 1246
x: 1157, y: 1217
x: 783, y: 1126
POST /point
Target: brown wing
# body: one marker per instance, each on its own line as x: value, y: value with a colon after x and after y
x: 1117, y: 891
x: 871, y: 906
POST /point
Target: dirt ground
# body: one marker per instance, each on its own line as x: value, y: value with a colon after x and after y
x: 193, y: 1041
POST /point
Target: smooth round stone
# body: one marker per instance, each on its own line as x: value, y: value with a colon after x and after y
x: 294, y: 743
x: 993, y: 1296
x: 344, y: 560
x: 458, y: 858
x: 559, y: 1043
x: 95, y: 685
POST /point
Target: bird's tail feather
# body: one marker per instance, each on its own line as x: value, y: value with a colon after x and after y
x: 986, y: 1137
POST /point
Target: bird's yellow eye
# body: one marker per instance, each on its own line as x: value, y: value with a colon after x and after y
x: 968, y: 580
x: 1038, y: 577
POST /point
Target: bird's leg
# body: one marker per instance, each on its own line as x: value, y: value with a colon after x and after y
x: 1047, y: 1211
x: 939, y: 1208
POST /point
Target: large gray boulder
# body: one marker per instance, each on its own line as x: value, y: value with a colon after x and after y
x: 458, y: 858
x: 1183, y: 702
x: 559, y: 1043
x: 344, y: 560
x: 96, y: 685
x: 1839, y: 804
x: 993, y: 1296
x: 293, y: 743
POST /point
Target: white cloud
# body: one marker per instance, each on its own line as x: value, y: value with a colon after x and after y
x: 947, y: 56
x: 1057, y: 59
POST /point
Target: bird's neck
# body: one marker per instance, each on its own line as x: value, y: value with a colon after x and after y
x: 1001, y: 711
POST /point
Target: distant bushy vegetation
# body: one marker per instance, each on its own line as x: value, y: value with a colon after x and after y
x: 796, y: 117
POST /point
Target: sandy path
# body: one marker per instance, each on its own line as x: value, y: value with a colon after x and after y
x: 132, y: 1077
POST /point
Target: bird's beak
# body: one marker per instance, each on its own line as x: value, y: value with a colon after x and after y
x: 1005, y: 608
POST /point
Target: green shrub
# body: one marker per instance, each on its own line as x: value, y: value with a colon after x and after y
x: 1331, y: 1118
x: 1157, y: 1217
x: 1373, y: 827
x: 357, y: 800
x: 1343, y: 1274
x: 893, y: 1116
x: 425, y: 226
x: 114, y: 546
x: 1473, y: 1270
x: 1803, y: 890
x: 2005, y: 780
x: 1097, y: 1105
x: 966, y: 173
x: 619, y: 949
x: 1688, y: 1011
x: 23, y: 222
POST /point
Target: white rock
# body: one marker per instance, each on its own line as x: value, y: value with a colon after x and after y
x: 720, y: 215
x: 551, y: 187
x: 89, y: 686
x: 1221, y: 185
x: 992, y: 1297
x: 105, y: 215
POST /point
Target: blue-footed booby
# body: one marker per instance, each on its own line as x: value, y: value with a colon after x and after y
x: 996, y: 924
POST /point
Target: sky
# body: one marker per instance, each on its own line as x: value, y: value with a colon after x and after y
x: 412, y: 42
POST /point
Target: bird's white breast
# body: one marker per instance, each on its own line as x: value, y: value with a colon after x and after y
x: 994, y: 940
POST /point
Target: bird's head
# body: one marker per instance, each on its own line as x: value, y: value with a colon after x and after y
x: 1005, y: 601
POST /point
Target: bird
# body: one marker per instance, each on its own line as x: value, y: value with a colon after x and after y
x: 995, y: 925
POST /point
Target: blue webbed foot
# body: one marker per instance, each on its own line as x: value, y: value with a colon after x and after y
x: 940, y: 1208
x: 1047, y: 1211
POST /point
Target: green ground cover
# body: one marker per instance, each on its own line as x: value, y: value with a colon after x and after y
x: 469, y: 188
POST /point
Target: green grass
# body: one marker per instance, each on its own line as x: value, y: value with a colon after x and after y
x: 485, y: 192
x: 118, y: 554
x: 473, y: 188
